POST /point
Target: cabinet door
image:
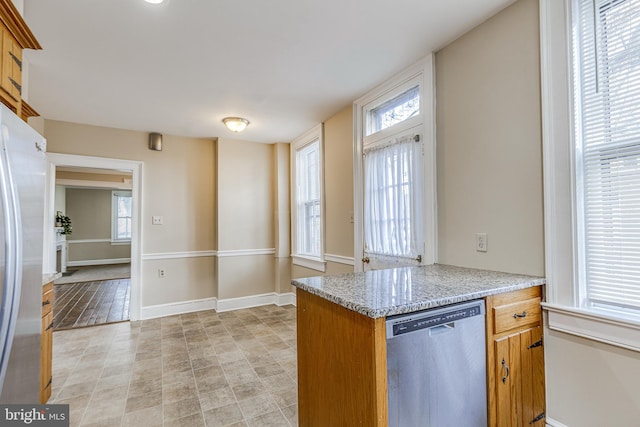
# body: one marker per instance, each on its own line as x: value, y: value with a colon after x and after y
x: 11, y: 66
x: 46, y: 353
x: 519, y: 367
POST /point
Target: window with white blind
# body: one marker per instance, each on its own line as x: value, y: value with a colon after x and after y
x: 121, y: 216
x: 307, y: 202
x: 606, y: 69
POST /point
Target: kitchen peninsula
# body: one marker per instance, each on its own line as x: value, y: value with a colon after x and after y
x: 342, y: 354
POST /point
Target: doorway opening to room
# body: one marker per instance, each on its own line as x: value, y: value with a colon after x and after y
x: 93, y: 240
x: 93, y: 247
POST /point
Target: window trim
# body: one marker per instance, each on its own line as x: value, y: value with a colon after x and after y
x: 114, y: 216
x: 563, y: 288
x: 423, y: 74
x: 304, y: 260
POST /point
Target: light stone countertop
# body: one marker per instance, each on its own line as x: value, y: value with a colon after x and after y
x: 383, y: 293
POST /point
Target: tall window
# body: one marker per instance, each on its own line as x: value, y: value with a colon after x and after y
x: 307, y: 203
x: 607, y: 137
x: 394, y: 165
x: 121, y: 216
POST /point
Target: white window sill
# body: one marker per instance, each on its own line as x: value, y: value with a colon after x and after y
x: 594, y: 326
x: 308, y: 262
x: 120, y: 242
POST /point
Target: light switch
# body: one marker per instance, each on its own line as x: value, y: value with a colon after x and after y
x: 157, y: 220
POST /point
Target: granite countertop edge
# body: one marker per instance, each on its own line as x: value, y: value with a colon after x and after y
x: 520, y: 282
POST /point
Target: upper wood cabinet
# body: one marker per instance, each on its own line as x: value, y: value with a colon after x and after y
x: 15, y: 36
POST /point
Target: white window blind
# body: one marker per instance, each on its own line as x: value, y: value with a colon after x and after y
x: 308, y: 199
x: 392, y: 198
x: 607, y: 105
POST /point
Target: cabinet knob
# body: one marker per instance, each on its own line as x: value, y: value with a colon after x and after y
x: 366, y: 260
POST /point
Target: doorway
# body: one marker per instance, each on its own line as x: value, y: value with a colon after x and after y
x: 93, y: 246
x: 70, y: 164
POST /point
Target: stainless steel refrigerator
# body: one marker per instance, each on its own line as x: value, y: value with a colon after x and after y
x: 22, y: 194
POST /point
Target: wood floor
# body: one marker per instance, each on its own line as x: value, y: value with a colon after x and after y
x: 90, y: 303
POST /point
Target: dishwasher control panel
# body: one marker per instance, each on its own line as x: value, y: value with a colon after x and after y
x: 430, y: 318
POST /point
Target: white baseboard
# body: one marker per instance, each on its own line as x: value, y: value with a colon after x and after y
x: 98, y: 262
x: 256, y: 301
x: 229, y: 304
x: 553, y: 423
x: 288, y: 298
x: 161, y: 310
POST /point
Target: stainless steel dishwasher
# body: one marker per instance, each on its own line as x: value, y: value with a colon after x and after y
x: 436, y: 370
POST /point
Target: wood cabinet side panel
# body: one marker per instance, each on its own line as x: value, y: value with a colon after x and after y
x: 341, y: 365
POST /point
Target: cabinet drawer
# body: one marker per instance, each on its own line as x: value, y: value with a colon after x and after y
x: 47, y: 298
x: 516, y: 315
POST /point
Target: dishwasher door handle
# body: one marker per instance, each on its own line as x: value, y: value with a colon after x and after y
x: 442, y: 329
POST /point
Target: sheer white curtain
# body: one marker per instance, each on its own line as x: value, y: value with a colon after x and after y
x: 392, y: 198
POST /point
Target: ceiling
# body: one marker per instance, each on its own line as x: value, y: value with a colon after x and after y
x: 179, y: 67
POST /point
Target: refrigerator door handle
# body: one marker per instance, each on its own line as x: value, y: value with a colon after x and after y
x: 13, y: 256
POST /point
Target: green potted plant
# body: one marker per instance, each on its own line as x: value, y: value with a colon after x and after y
x: 64, y: 222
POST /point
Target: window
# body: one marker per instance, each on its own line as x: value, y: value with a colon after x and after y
x: 392, y: 198
x: 607, y: 103
x: 121, y: 216
x: 394, y: 164
x: 307, y: 204
x: 591, y: 167
x: 394, y: 111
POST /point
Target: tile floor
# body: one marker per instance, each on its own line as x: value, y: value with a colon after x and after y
x: 200, y: 369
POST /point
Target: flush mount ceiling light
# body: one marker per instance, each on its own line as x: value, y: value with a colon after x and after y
x: 154, y: 1
x: 235, y: 124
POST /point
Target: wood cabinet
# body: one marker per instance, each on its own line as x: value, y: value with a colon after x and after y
x: 46, y: 346
x: 515, y: 359
x: 15, y: 36
x: 342, y: 365
x: 11, y: 73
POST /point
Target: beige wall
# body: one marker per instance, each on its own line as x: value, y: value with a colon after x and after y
x: 245, y: 195
x: 245, y: 200
x: 90, y: 212
x: 489, y: 144
x: 102, y: 177
x: 590, y: 384
x: 338, y: 183
x: 177, y: 183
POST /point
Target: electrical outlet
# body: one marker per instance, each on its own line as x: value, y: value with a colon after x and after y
x: 157, y: 220
x: 161, y: 272
x: 481, y: 242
